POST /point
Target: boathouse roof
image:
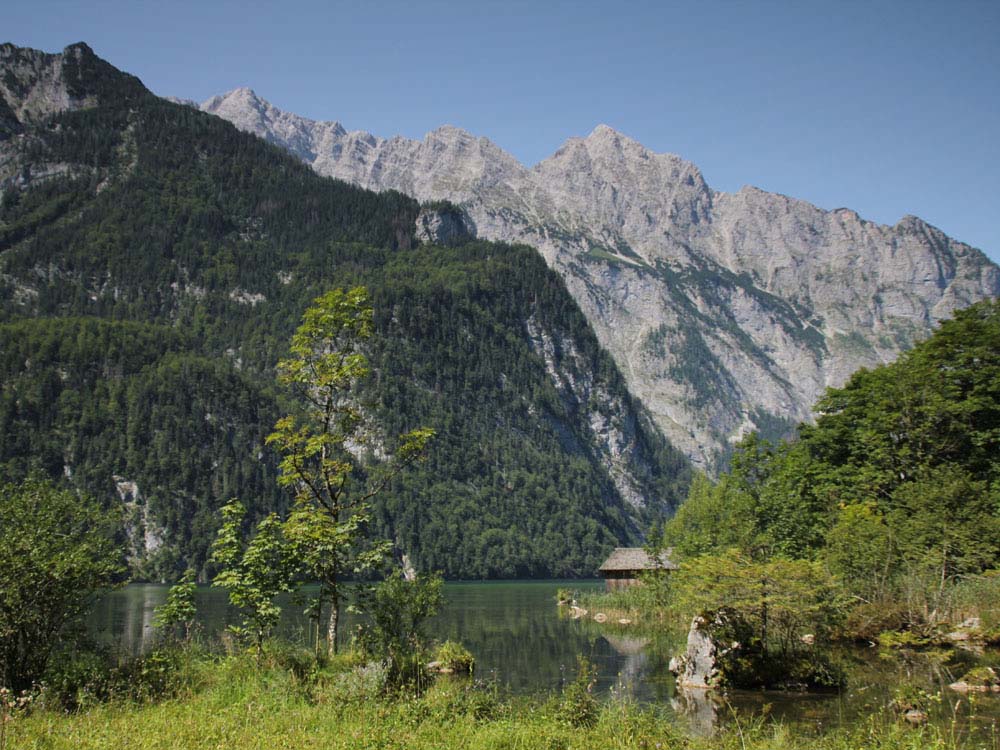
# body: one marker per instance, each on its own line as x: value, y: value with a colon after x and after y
x: 636, y: 558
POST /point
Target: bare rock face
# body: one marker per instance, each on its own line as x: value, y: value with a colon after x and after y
x: 446, y: 225
x: 727, y: 312
x: 35, y: 86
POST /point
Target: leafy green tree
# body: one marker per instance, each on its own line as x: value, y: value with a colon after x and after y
x: 179, y: 610
x: 765, y: 506
x: 714, y: 516
x: 860, y: 550
x: 946, y: 527
x: 254, y: 572
x: 896, y: 488
x: 333, y: 455
x: 765, y: 608
x: 56, y: 552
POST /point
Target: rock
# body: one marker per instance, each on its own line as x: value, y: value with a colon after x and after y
x: 978, y: 680
x: 916, y: 717
x: 448, y: 226
x: 698, y: 668
x: 409, y: 572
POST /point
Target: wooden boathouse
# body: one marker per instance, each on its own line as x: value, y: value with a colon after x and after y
x: 623, y: 568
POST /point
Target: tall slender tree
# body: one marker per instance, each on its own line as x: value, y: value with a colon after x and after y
x: 334, y: 458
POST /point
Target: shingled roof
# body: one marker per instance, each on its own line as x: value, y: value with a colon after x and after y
x: 636, y: 558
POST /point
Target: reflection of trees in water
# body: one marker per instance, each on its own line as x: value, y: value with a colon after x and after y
x: 518, y: 639
x: 515, y: 634
x: 123, y: 620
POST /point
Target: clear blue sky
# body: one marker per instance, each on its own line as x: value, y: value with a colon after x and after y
x: 888, y: 108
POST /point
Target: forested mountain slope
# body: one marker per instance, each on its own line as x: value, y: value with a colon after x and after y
x: 154, y: 261
x: 727, y: 312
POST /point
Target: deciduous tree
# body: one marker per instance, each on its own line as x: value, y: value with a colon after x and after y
x: 334, y: 459
x: 56, y: 552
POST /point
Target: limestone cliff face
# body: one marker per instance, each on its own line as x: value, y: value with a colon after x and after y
x: 34, y: 84
x: 444, y: 225
x: 726, y: 312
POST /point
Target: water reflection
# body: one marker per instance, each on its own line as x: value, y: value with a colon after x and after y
x: 519, y: 640
x: 511, y: 628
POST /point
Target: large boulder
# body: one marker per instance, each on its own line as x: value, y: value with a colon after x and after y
x: 699, y: 667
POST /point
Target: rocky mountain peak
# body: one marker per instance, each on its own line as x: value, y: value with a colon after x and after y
x: 38, y: 84
x: 33, y: 86
x: 727, y: 312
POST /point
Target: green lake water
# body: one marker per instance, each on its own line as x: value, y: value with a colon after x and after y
x: 523, y: 645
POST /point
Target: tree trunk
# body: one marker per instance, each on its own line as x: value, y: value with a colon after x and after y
x: 317, y: 619
x: 763, y: 616
x: 331, y: 629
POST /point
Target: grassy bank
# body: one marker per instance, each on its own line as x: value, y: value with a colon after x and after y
x: 287, y: 703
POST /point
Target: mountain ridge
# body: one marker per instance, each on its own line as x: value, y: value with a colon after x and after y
x: 726, y: 311
x: 155, y: 260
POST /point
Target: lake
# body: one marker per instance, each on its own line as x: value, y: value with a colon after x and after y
x: 521, y: 643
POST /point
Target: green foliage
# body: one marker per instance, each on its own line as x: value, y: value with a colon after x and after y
x: 333, y: 489
x: 362, y: 683
x: 397, y: 609
x: 88, y: 401
x: 179, y: 609
x: 237, y: 703
x: 895, y: 488
x: 579, y: 706
x: 768, y: 609
x: 56, y: 552
x: 454, y: 657
x: 80, y: 680
x: 254, y: 572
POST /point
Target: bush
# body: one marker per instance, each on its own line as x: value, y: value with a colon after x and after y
x: 56, y: 552
x: 397, y: 609
x: 579, y: 706
x: 450, y: 698
x: 89, y: 677
x: 454, y: 657
x: 865, y: 621
x: 362, y: 683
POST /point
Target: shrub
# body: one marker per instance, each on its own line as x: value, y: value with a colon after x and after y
x: 364, y: 682
x: 89, y: 676
x: 397, y: 609
x: 454, y: 657
x: 56, y: 552
x: 865, y: 621
x: 579, y: 706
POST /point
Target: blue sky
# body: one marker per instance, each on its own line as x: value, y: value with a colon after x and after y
x: 888, y: 108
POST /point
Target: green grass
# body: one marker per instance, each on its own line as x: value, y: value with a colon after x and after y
x: 233, y: 703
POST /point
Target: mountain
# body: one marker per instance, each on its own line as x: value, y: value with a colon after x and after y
x: 726, y: 312
x: 154, y: 261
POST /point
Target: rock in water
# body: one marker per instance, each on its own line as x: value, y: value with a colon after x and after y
x: 698, y: 668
